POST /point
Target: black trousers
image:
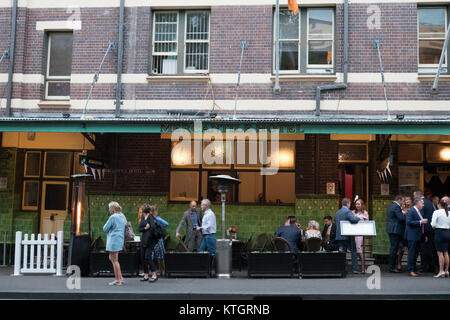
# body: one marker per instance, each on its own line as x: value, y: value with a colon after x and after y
x: 395, y: 240
x: 146, y: 256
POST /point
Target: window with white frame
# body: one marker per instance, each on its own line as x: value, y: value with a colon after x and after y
x: 432, y: 26
x: 59, y: 66
x: 306, y: 41
x: 180, y: 42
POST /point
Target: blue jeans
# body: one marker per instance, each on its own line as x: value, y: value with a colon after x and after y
x: 209, y: 242
x: 350, y: 244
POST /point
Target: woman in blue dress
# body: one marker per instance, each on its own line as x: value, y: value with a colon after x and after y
x: 115, y: 234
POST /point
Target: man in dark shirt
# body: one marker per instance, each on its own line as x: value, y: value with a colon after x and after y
x: 329, y: 235
x: 292, y: 234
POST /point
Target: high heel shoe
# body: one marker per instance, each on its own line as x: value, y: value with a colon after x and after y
x: 447, y: 274
x: 440, y: 275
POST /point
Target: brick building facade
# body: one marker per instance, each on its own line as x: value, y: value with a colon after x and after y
x: 139, y: 156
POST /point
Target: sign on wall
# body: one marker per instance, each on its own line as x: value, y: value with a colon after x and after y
x: 3, y: 182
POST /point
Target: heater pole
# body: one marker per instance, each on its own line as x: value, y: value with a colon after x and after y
x: 224, y: 197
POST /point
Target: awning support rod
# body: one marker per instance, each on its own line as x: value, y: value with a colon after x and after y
x: 441, y: 61
x: 276, y: 88
x: 243, y: 47
x: 377, y: 46
x: 111, y: 46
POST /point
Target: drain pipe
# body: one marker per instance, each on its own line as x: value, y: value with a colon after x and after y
x: 11, y: 58
x: 119, y: 59
x: 342, y: 85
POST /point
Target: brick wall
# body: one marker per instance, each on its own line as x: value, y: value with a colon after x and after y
x: 229, y: 25
x: 138, y: 163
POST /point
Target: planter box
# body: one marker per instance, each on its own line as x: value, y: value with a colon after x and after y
x: 322, y: 264
x: 270, y: 263
x: 100, y: 264
x: 187, y: 263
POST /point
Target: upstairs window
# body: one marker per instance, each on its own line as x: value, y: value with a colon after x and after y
x: 432, y: 25
x: 59, y: 66
x: 306, y: 41
x: 180, y: 42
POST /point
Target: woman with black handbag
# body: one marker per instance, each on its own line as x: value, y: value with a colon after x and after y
x: 147, y: 243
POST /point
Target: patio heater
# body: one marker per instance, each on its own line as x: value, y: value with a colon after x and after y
x: 80, y: 242
x: 223, y: 245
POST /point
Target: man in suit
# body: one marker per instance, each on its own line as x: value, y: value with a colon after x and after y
x: 415, y: 229
x: 346, y: 242
x: 329, y: 234
x: 428, y: 259
x: 193, y: 219
x: 292, y: 234
x: 395, y: 228
x: 434, y: 202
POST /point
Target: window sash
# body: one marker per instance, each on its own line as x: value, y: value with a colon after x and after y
x: 326, y: 37
x: 420, y: 37
x: 196, y: 41
x: 49, y: 78
x: 298, y: 40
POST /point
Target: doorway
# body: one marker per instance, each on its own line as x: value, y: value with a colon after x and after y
x: 54, y: 206
x: 353, y: 182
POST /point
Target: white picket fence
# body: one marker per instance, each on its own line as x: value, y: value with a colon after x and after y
x: 28, y: 254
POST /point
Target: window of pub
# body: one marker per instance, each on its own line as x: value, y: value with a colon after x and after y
x: 306, y: 41
x: 242, y: 160
x: 432, y: 25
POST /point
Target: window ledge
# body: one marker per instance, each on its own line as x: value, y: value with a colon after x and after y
x: 189, y: 78
x: 307, y: 77
x: 54, y: 104
x: 431, y: 77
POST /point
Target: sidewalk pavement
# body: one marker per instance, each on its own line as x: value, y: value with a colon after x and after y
x: 392, y: 286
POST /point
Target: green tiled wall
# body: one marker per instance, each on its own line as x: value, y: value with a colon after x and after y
x: 381, y: 241
x: 8, y: 158
x: 315, y: 207
x: 27, y: 222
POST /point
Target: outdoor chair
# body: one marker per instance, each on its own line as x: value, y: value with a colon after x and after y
x: 313, y: 244
x: 260, y: 242
x: 245, y: 249
x: 181, y: 247
x: 166, y: 242
x: 281, y: 245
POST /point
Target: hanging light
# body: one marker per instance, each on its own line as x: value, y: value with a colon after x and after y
x: 445, y: 154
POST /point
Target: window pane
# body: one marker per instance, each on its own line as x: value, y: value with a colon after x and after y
x: 410, y: 153
x: 197, y: 56
x: 183, y: 185
x: 197, y: 26
x: 165, y: 32
x: 31, y: 194
x: 166, y: 17
x: 320, y: 52
x: 164, y: 65
x: 58, y: 88
x: 289, y: 55
x: 320, y: 24
x: 250, y: 188
x: 60, y: 54
x: 33, y: 164
x: 280, y: 188
x: 285, y: 154
x: 430, y: 51
x: 438, y: 153
x: 57, y: 164
x: 288, y: 25
x: 432, y: 23
x: 352, y: 153
x: 56, y: 197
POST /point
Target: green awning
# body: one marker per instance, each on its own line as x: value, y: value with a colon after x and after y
x: 126, y: 126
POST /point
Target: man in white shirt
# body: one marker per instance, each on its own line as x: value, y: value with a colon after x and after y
x: 208, y: 228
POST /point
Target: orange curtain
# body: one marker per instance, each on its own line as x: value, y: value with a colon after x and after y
x: 293, y: 6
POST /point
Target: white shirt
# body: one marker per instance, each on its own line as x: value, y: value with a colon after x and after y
x: 440, y: 220
x: 209, y: 222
